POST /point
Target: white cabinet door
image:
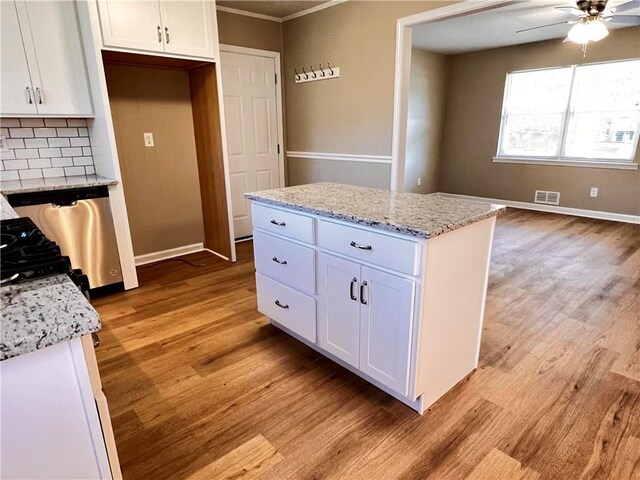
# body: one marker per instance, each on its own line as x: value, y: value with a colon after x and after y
x: 386, y: 319
x: 188, y: 28
x: 249, y: 90
x: 339, y: 307
x: 131, y: 24
x: 55, y: 56
x: 16, y: 95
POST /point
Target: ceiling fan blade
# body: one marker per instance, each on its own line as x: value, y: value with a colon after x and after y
x: 625, y: 6
x: 572, y: 10
x: 543, y: 26
x: 626, y: 19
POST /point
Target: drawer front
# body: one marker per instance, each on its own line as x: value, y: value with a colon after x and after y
x: 390, y: 252
x: 287, y: 262
x: 288, y: 307
x: 288, y: 224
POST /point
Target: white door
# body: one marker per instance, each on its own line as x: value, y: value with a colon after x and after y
x: 249, y: 89
x: 339, y: 307
x: 131, y: 24
x: 386, y: 317
x: 16, y: 91
x: 56, y: 60
x: 188, y: 28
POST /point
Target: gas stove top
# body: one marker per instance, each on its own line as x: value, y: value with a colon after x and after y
x: 25, y: 254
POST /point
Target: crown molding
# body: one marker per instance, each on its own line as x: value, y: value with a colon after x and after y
x: 235, y: 11
x: 317, y: 8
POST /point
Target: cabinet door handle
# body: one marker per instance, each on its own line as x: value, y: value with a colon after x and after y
x: 281, y: 262
x: 361, y: 247
x: 280, y: 224
x: 277, y: 302
x: 29, y: 97
x: 354, y: 280
x: 362, y: 285
x: 159, y: 34
x: 166, y: 33
x: 39, y: 95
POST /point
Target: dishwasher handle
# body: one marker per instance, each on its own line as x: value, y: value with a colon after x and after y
x: 69, y: 204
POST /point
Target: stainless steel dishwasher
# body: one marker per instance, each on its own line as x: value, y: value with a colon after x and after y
x: 80, y: 222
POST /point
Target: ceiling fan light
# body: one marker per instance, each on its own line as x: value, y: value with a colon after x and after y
x: 596, y: 30
x: 589, y: 31
x: 578, y: 33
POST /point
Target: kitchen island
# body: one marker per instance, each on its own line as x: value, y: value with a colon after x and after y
x: 389, y: 285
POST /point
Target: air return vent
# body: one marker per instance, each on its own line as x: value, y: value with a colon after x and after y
x: 548, y: 198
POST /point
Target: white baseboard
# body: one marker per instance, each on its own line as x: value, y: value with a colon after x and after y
x: 578, y: 212
x: 171, y: 253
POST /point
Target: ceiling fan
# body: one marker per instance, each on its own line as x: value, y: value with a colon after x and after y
x: 592, y: 16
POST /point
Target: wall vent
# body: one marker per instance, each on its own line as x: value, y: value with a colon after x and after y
x: 548, y: 198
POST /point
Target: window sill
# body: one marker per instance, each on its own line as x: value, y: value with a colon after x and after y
x: 567, y: 163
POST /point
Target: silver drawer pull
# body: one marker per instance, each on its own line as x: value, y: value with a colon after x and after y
x: 29, y: 97
x: 281, y: 262
x: 354, y: 280
x: 361, y: 247
x: 159, y: 34
x: 39, y: 95
x: 280, y: 224
x: 277, y: 302
x: 362, y: 285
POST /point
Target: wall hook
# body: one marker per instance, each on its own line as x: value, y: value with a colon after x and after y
x: 295, y: 70
x: 313, y: 72
x: 322, y: 74
x: 330, y: 69
x: 306, y: 75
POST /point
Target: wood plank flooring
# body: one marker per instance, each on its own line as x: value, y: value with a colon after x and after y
x: 201, y: 386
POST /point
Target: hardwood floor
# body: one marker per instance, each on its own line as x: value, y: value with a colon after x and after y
x: 201, y: 386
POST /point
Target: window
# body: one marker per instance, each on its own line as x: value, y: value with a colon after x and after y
x: 576, y: 113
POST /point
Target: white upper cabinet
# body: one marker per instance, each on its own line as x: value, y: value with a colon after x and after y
x: 43, y: 61
x: 131, y: 24
x: 184, y: 28
x: 189, y: 28
x: 16, y: 95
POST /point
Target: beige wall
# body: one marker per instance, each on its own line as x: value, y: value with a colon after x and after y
x: 354, y: 113
x: 474, y: 103
x: 249, y: 32
x: 425, y: 122
x: 160, y: 183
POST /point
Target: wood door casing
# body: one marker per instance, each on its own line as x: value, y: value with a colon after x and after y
x: 250, y: 102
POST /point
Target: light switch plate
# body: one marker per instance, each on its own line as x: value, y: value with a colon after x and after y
x: 148, y: 139
x: 3, y: 144
x: 594, y: 192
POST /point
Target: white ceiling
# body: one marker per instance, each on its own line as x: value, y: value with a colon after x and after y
x: 497, y: 28
x: 271, y: 8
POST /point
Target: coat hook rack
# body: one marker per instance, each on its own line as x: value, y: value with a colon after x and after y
x: 315, y: 75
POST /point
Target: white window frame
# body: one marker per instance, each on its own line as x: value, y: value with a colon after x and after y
x: 560, y: 159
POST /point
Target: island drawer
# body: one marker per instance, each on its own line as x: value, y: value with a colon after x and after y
x: 282, y: 222
x: 384, y: 250
x: 287, y: 262
x: 290, y: 308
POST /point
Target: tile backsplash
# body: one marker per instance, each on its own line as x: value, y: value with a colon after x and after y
x: 45, y: 148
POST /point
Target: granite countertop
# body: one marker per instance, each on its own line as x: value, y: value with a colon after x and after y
x: 57, y: 183
x: 41, y: 312
x: 423, y: 216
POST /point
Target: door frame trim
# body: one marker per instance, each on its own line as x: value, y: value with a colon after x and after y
x: 403, y: 68
x: 279, y: 105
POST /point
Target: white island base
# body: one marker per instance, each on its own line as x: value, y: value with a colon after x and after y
x: 403, y: 312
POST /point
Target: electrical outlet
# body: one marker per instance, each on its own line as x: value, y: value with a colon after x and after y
x: 419, y: 181
x: 594, y: 192
x: 148, y: 139
x: 3, y: 144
